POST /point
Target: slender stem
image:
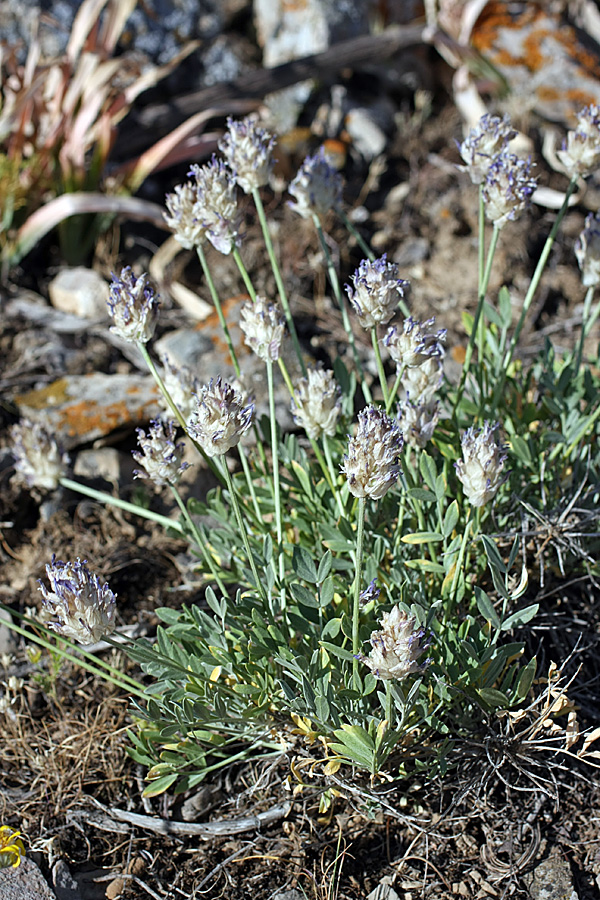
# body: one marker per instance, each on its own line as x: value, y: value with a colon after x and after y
x: 586, y: 324
x: 249, y: 482
x: 481, y: 244
x: 278, y: 279
x: 335, y: 284
x: 276, y: 484
x: 360, y: 539
x: 217, y: 304
x: 244, y: 535
x: 109, y: 500
x: 286, y: 377
x: 393, y: 392
x: 380, y: 369
x: 244, y: 273
x: 388, y: 704
x: 200, y: 543
x: 533, y: 286
x: 460, y: 560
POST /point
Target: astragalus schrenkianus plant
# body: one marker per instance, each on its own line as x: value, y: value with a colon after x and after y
x: 365, y: 576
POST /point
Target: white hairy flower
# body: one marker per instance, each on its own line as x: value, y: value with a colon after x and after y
x: 248, y: 150
x: 580, y: 154
x: 79, y: 607
x: 485, y: 141
x: 317, y: 188
x: 182, y: 218
x: 587, y: 251
x: 507, y: 188
x: 220, y: 418
x: 414, y: 345
x: 421, y: 383
x: 377, y: 291
x: 418, y: 421
x: 397, y: 647
x: 481, y: 470
x: 317, y: 405
x: 133, y: 304
x: 371, y: 464
x: 160, y: 455
x: 39, y: 461
x: 263, y: 325
x: 182, y: 384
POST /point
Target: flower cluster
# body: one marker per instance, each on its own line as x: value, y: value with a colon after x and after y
x: 580, y: 154
x: 418, y: 421
x: 79, y: 607
x: 206, y: 208
x: 160, y: 456
x: 317, y: 188
x: 377, y: 291
x: 414, y: 345
x: 481, y: 470
x: 248, y: 150
x: 397, y: 647
x: 181, y: 384
x: 317, y: 405
x: 39, y: 461
x: 263, y: 325
x: 587, y: 251
x: 133, y: 304
x: 490, y: 136
x: 220, y: 418
x: 507, y: 188
x: 12, y: 848
x: 371, y: 464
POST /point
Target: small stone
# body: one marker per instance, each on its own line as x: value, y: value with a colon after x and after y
x: 104, y: 462
x: 551, y: 880
x: 65, y: 886
x: 80, y: 291
x: 8, y: 638
x: 24, y: 883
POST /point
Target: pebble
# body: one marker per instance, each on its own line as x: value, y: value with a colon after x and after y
x: 104, y: 462
x: 65, y: 886
x: 26, y: 882
x: 8, y: 638
x: 551, y: 880
x: 80, y: 291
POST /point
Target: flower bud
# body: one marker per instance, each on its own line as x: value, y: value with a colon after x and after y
x: 317, y: 405
x: 247, y: 149
x: 507, y: 188
x: 587, y: 251
x: 39, y: 461
x: 133, y: 305
x: 418, y: 421
x: 489, y: 137
x: 422, y: 383
x: 205, y: 208
x: 220, y: 418
x: 414, y: 345
x: 397, y: 647
x: 371, y: 464
x: 317, y: 188
x: 580, y: 154
x: 79, y: 607
x: 161, y: 456
x: 263, y: 325
x: 182, y: 218
x: 377, y: 291
x: 481, y: 470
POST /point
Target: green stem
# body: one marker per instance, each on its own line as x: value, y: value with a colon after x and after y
x: 217, y: 304
x: 200, y: 543
x: 531, y: 293
x: 393, y: 392
x: 244, y: 536
x: 278, y: 279
x: 360, y: 539
x: 335, y: 284
x: 460, y: 561
x: 286, y: 377
x: 109, y: 500
x: 244, y: 273
x: 481, y: 245
x: 380, y: 369
x: 249, y: 482
x: 276, y: 484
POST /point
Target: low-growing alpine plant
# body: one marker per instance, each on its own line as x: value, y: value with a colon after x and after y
x: 363, y: 576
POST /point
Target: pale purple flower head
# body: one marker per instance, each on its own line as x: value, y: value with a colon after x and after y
x: 220, y: 418
x: 420, y: 384
x: 182, y: 384
x: 79, y: 607
x: 133, y: 305
x: 317, y: 188
x: 377, y: 291
x: 317, y: 404
x: 397, y: 647
x: 418, y: 421
x: 371, y: 464
x: 263, y: 325
x: 481, y: 470
x: 39, y: 460
x: 182, y: 216
x: 484, y: 142
x: 215, y: 204
x: 580, y: 154
x: 587, y: 251
x: 507, y: 188
x: 413, y: 345
x: 248, y: 150
x: 160, y: 455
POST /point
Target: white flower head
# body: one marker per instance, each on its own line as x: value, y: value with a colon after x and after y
x: 397, y: 647
x: 587, y: 251
x: 39, y: 460
x: 414, y: 345
x: 486, y: 140
x: 182, y: 384
x: 160, y: 455
x: 248, y: 150
x: 317, y: 188
x: 182, y: 216
x: 215, y: 206
x: 507, y: 188
x: 79, y: 607
x: 220, y: 418
x: 133, y: 305
x: 580, y: 154
x: 418, y: 421
x: 481, y: 470
x: 377, y: 291
x: 263, y: 325
x: 371, y: 464
x: 421, y: 383
x: 317, y: 404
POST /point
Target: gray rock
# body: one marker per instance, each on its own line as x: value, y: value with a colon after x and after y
x: 65, y: 886
x: 8, y: 638
x: 551, y: 880
x: 104, y: 462
x: 80, y: 291
x: 293, y: 894
x: 24, y: 883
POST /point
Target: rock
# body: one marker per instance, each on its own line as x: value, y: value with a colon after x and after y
x: 551, y: 880
x: 288, y: 895
x: 104, y: 462
x: 81, y: 409
x: 80, y: 291
x: 65, y: 886
x: 26, y: 882
x: 8, y: 638
x: 383, y: 891
x: 368, y: 127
